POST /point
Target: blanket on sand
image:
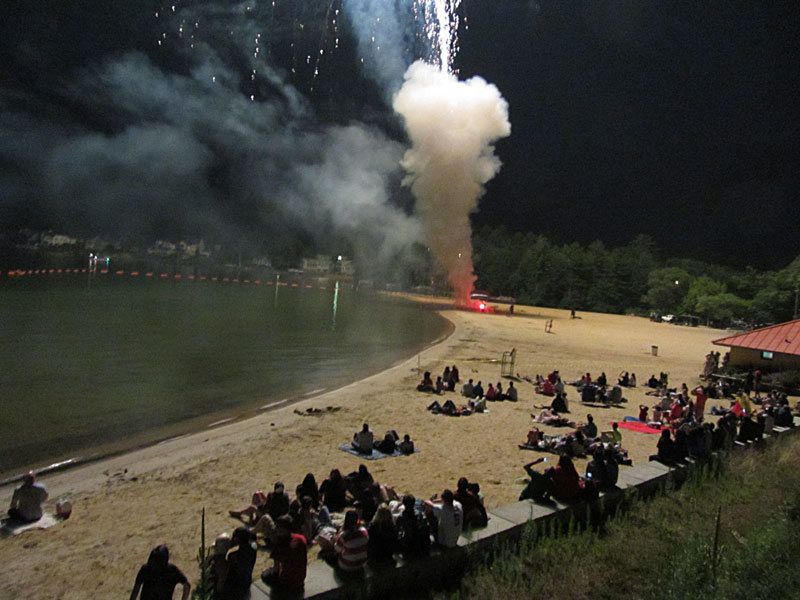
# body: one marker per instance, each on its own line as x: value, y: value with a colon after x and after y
x: 638, y: 426
x: 375, y: 453
x: 11, y: 527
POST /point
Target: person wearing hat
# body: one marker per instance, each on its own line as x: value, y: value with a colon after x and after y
x: 26, y: 503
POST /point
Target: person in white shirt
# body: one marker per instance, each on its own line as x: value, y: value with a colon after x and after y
x: 364, y: 440
x: 450, y: 518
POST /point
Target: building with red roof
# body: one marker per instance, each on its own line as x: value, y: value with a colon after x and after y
x: 776, y: 347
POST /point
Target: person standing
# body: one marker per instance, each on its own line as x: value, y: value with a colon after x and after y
x: 158, y: 578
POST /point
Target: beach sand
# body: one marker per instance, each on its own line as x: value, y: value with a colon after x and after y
x: 126, y: 505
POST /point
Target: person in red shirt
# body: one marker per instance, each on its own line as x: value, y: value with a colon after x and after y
x: 289, y: 555
x: 700, y: 397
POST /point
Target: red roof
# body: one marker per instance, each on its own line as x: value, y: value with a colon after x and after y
x: 783, y: 338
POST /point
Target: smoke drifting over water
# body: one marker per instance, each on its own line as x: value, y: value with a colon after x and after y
x: 453, y: 126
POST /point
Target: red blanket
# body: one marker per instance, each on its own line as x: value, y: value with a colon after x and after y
x: 638, y: 426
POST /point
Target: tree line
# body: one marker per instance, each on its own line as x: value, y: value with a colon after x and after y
x: 634, y: 278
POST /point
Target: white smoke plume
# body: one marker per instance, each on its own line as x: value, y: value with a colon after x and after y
x: 453, y: 126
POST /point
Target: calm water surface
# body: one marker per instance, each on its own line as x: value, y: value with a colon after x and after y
x: 119, y: 363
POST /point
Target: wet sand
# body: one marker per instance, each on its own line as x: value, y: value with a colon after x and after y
x: 127, y: 504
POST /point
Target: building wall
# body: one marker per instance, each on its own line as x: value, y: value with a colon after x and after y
x: 747, y: 357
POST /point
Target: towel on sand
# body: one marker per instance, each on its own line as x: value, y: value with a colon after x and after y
x: 638, y: 426
x: 375, y: 454
x: 10, y: 527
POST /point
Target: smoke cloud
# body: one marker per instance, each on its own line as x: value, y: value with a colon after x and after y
x: 452, y: 125
x: 196, y: 140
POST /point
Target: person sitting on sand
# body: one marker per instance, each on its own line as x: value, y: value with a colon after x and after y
x: 588, y: 393
x: 547, y: 388
x: 277, y: 501
x: 455, y: 377
x: 467, y: 390
x: 632, y: 380
x: 290, y: 560
x: 602, y: 381
x: 388, y: 443
x: 358, y: 481
x: 383, y: 542
x: 334, y: 492
x: 446, y: 376
x: 309, y: 488
x: 653, y: 382
x: 491, y: 394
x: 511, y: 392
x: 427, y: 384
x: 613, y: 437
x: 559, y: 404
x: 27, y: 500
x: 534, y: 437
x: 450, y: 518
x: 590, y: 429
x: 363, y: 440
x: 624, y: 379
x: 407, y: 445
x: 498, y: 392
x: 158, y: 578
x: 439, y: 385
x: 254, y: 512
x: 478, y: 390
x: 351, y: 544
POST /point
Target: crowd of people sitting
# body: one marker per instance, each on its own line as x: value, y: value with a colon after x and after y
x: 353, y: 519
x: 473, y: 392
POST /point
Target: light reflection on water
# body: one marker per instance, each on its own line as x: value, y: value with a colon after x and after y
x: 88, y: 367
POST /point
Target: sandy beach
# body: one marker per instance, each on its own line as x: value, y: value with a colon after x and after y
x: 125, y: 505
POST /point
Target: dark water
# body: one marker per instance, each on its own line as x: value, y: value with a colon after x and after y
x: 125, y: 363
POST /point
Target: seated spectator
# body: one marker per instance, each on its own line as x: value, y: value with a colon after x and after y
x: 613, y: 437
x: 388, y: 443
x: 666, y: 449
x: 590, y: 429
x: 467, y: 390
x: 277, y: 501
x: 491, y: 394
x: 358, y: 481
x: 427, y: 383
x: 534, y: 437
x: 479, y: 405
x: 334, y: 492
x: 253, y: 513
x: 309, y: 488
x: 413, y: 530
x: 511, y: 392
x: 498, y: 392
x: 566, y: 481
x: 158, y: 578
x: 450, y: 519
x: 596, y: 469
x: 446, y: 376
x: 289, y: 556
x: 547, y: 388
x: 588, y: 393
x: 406, y: 446
x: 27, y: 500
x: 240, y: 564
x: 615, y: 395
x: 632, y: 380
x: 351, y: 544
x: 653, y: 382
x: 477, y: 391
x: 624, y: 379
x: 439, y: 385
x: 749, y: 431
x: 540, y: 486
x: 474, y: 511
x: 558, y: 386
x: 602, y: 381
x: 455, y: 377
x: 383, y: 542
x: 559, y: 404
x: 363, y: 440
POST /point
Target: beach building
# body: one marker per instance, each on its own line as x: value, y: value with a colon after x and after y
x: 319, y: 264
x: 776, y: 347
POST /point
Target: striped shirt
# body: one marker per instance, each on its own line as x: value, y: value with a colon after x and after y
x: 351, y: 546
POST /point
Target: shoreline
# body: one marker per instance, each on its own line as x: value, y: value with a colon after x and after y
x: 186, y: 427
x: 71, y: 466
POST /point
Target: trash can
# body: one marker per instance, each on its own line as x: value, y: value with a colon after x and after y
x: 654, y: 350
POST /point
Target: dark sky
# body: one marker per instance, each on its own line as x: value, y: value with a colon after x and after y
x: 675, y: 119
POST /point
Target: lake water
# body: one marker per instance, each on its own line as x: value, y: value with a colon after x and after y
x: 91, y: 369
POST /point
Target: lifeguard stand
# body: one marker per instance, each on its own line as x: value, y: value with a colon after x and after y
x: 507, y: 364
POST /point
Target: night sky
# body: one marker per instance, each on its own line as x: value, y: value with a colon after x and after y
x: 674, y: 119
